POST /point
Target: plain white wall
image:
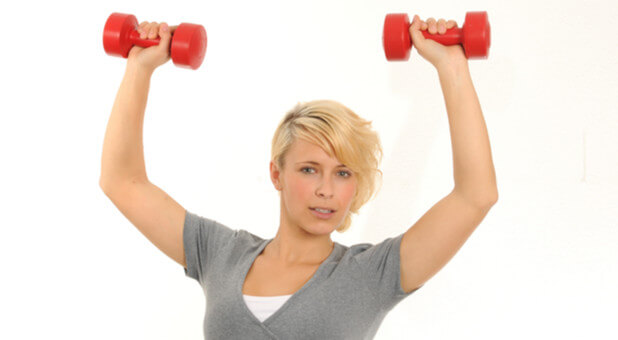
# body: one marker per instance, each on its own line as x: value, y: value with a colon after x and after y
x: 543, y: 263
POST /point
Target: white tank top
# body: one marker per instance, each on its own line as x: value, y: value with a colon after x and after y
x: 264, y: 306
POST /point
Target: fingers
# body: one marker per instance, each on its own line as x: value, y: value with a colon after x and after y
x: 164, y: 28
x: 417, y: 25
x: 415, y: 32
x: 431, y: 25
x: 441, y: 26
x: 416, y: 22
x: 154, y: 30
x: 151, y: 30
x: 165, y: 32
x: 438, y: 27
x: 141, y: 29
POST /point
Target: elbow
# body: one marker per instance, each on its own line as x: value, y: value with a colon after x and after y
x: 489, y: 197
x: 111, y: 183
x: 103, y: 185
x: 491, y: 200
x: 484, y: 200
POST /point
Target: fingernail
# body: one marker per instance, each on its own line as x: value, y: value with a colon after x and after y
x: 164, y: 28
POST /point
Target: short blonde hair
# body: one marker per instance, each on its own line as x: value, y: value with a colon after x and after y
x: 340, y: 133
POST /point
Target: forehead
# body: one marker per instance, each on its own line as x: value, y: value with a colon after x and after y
x: 303, y: 151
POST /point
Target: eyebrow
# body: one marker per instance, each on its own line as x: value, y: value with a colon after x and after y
x: 316, y: 163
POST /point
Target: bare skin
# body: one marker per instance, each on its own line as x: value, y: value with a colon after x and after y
x: 303, y: 241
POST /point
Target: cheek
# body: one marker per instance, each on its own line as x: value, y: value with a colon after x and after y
x: 299, y: 189
x: 350, y: 190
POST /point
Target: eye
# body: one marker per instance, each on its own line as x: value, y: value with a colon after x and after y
x: 305, y: 168
x: 347, y: 173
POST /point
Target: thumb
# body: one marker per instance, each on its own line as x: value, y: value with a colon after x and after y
x: 165, y: 32
x: 415, y: 32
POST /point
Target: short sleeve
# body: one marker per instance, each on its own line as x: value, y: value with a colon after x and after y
x: 202, y: 240
x: 380, y: 266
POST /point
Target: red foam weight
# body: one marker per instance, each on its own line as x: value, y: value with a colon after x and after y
x: 476, y: 35
x: 187, y: 48
x: 189, y: 45
x: 116, y: 33
x: 396, y: 38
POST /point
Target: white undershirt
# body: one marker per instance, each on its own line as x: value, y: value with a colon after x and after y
x: 264, y: 306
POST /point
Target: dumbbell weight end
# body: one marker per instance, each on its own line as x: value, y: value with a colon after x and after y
x: 116, y: 32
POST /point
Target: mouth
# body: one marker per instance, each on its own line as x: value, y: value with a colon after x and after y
x: 322, y: 215
x: 323, y: 210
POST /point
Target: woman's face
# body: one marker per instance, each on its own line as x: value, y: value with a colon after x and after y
x: 313, y: 179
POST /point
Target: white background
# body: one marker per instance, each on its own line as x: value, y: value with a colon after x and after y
x: 543, y: 263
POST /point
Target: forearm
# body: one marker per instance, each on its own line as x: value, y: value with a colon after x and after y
x: 123, y: 150
x: 473, y: 168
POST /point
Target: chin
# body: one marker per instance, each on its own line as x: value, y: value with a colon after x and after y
x: 322, y: 227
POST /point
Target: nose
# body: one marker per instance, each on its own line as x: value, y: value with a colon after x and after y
x: 325, y: 189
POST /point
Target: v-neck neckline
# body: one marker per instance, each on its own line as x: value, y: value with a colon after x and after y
x: 294, y: 296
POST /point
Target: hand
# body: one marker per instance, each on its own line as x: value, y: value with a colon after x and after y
x: 437, y: 54
x: 150, y: 58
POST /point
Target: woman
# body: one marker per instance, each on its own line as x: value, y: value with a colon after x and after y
x: 324, y: 163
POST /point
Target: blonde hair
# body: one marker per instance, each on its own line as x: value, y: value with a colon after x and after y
x: 340, y: 133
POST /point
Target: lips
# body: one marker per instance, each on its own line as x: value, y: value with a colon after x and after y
x: 313, y: 208
x: 321, y: 215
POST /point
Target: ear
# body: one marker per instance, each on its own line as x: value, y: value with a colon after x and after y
x: 274, y: 175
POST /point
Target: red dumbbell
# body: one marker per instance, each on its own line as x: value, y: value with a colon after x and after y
x: 187, y: 47
x: 474, y: 36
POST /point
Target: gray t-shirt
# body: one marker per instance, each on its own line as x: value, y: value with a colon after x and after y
x: 347, y: 298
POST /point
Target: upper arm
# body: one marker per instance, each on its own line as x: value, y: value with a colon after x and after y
x: 155, y: 214
x: 436, y: 237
